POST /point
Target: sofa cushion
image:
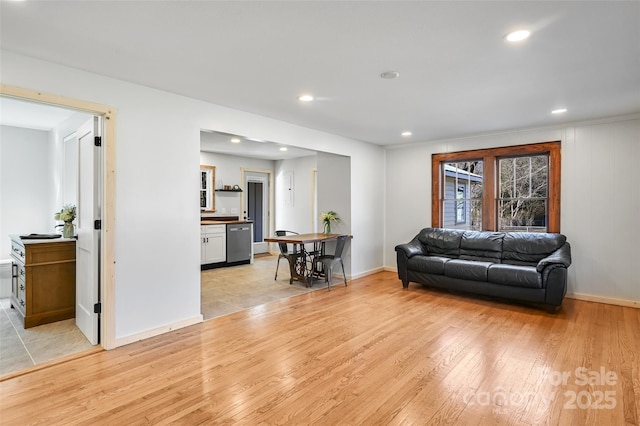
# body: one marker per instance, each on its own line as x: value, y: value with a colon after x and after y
x: 441, y: 242
x: 482, y: 246
x: 467, y: 269
x: 528, y: 248
x: 515, y: 275
x: 428, y: 264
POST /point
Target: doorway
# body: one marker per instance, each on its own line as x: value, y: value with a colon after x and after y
x: 66, y: 185
x: 256, y: 206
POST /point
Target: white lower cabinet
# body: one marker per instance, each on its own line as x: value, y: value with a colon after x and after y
x: 213, y: 244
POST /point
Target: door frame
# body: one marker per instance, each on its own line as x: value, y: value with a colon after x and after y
x: 107, y: 242
x: 271, y: 221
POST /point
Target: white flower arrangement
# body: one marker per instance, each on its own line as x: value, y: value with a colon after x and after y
x: 67, y: 214
x: 327, y: 218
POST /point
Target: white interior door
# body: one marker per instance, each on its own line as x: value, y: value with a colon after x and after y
x: 88, y: 244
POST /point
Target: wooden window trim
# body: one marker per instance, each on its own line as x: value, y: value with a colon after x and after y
x: 211, y: 187
x: 490, y: 156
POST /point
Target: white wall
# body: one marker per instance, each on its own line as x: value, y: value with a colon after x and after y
x: 25, y: 184
x: 601, y: 207
x: 599, y: 191
x: 293, y: 212
x: 157, y: 271
x: 334, y: 194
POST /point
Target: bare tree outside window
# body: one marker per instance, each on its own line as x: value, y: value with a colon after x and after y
x: 523, y: 189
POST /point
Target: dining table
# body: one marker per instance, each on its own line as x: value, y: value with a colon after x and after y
x: 302, y: 265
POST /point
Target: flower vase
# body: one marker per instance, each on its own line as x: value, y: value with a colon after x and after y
x: 68, y: 230
x: 327, y: 228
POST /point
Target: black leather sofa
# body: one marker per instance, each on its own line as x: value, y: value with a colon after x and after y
x: 520, y: 266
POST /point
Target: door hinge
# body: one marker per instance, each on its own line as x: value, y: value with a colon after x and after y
x: 97, y: 308
x: 97, y: 141
x: 97, y: 224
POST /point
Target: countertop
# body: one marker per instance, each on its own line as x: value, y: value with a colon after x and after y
x: 19, y: 240
x: 224, y: 222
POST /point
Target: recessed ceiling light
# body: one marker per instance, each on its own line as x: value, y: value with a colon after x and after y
x: 283, y: 148
x: 518, y: 35
x: 390, y: 75
x: 235, y: 140
x: 406, y: 133
x: 305, y: 98
x: 559, y: 111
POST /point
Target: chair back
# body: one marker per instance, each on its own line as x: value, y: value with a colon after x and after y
x: 283, y: 246
x: 341, y: 240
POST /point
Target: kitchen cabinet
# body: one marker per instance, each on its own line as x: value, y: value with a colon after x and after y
x: 213, y: 244
x: 43, y: 284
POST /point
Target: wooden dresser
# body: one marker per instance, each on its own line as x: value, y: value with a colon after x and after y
x: 43, y: 285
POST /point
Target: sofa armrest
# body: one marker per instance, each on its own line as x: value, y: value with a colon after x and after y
x: 403, y: 253
x: 560, y: 257
x: 412, y: 248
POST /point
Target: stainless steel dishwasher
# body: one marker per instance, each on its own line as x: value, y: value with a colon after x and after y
x: 239, y: 243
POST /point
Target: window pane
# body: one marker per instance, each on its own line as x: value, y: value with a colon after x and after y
x: 462, y: 204
x: 462, y: 214
x: 521, y: 214
x: 540, y: 176
x: 203, y: 180
x: 203, y: 199
x: 523, y: 177
x: 523, y: 186
x: 468, y: 173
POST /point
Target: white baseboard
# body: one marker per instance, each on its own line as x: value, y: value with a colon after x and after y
x: 606, y: 300
x: 366, y: 273
x: 157, y: 331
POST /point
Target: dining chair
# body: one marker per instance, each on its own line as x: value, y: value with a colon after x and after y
x: 284, y: 249
x: 329, y: 261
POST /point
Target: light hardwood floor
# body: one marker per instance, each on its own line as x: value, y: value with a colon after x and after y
x: 370, y: 353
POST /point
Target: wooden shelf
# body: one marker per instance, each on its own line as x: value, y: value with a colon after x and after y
x: 228, y: 190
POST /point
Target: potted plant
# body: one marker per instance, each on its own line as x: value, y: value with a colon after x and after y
x: 327, y: 218
x: 67, y: 215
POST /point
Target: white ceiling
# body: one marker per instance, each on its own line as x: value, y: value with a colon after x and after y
x: 221, y: 143
x: 31, y: 115
x: 457, y: 76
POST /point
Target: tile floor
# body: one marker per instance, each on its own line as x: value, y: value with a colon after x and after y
x: 20, y: 348
x: 223, y: 291
x: 231, y: 289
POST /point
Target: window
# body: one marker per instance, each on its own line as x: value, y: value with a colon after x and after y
x: 462, y: 193
x: 514, y: 188
x: 207, y: 198
x: 522, y: 197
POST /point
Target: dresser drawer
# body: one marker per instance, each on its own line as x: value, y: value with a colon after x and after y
x: 17, y: 251
x: 21, y: 271
x: 22, y: 292
x: 21, y: 295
